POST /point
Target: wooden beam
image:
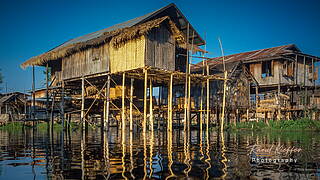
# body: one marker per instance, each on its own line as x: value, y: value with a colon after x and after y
x: 131, y: 103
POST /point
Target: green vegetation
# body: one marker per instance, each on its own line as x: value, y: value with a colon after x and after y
x: 14, y: 126
x: 299, y: 124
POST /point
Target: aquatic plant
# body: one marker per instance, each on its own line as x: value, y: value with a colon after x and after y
x: 299, y: 124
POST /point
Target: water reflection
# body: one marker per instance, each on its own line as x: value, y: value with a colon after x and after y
x: 155, y: 154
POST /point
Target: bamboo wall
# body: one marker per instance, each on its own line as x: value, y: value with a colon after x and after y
x: 129, y: 56
x: 157, y: 49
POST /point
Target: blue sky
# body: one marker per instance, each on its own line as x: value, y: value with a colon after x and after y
x: 29, y: 28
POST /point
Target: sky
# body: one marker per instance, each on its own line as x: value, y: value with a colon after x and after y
x: 29, y: 28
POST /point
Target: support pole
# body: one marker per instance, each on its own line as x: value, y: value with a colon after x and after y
x: 224, y: 100
x: 108, y: 103
x: 123, y: 103
x: 33, y: 96
x: 186, y: 81
x: 144, y: 123
x: 62, y: 105
x: 82, y: 104
x: 208, y: 98
x: 170, y: 103
x: 131, y: 104
x: 47, y: 91
x: 151, y: 106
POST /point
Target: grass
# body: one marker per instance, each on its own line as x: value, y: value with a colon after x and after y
x: 299, y: 124
x: 13, y: 126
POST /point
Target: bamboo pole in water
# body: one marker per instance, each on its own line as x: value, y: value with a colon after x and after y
x: 208, y: 97
x: 82, y: 104
x: 145, y: 101
x: 108, y: 103
x: 131, y: 103
x: 123, y: 123
x: 151, y: 105
x: 170, y: 103
x: 186, y: 81
x: 33, y: 97
x: 47, y: 91
x: 152, y: 131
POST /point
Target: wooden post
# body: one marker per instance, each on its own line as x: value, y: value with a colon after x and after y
x: 151, y: 106
x: 62, y: 105
x: 279, y: 91
x: 108, y: 103
x: 145, y: 101
x: 33, y: 96
x: 313, y: 82
x: 131, y: 103
x: 208, y: 98
x: 47, y: 91
x: 123, y: 103
x: 170, y: 103
x: 296, y: 69
x: 52, y: 112
x: 186, y: 81
x: 257, y: 100
x: 105, y: 109
x: 201, y: 107
x: 82, y: 104
x: 224, y: 100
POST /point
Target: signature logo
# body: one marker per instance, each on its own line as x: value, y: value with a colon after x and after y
x: 275, y: 154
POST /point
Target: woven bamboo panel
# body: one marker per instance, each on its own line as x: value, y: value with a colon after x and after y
x: 129, y: 56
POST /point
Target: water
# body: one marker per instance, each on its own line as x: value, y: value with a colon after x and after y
x: 36, y: 154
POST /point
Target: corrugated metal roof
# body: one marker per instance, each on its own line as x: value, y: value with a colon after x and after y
x: 252, y: 55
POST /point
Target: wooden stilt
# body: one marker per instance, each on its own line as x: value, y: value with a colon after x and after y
x: 201, y: 108
x: 105, y: 109
x: 170, y: 103
x: 82, y: 104
x: 123, y: 123
x: 208, y: 98
x: 47, y: 91
x: 151, y: 106
x: 62, y: 105
x: 257, y: 101
x: 144, y: 123
x: 186, y: 81
x: 108, y: 103
x: 224, y: 99
x: 33, y: 97
x: 131, y: 104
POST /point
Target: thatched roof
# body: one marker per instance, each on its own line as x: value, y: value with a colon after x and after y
x: 120, y: 33
x: 116, y: 38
